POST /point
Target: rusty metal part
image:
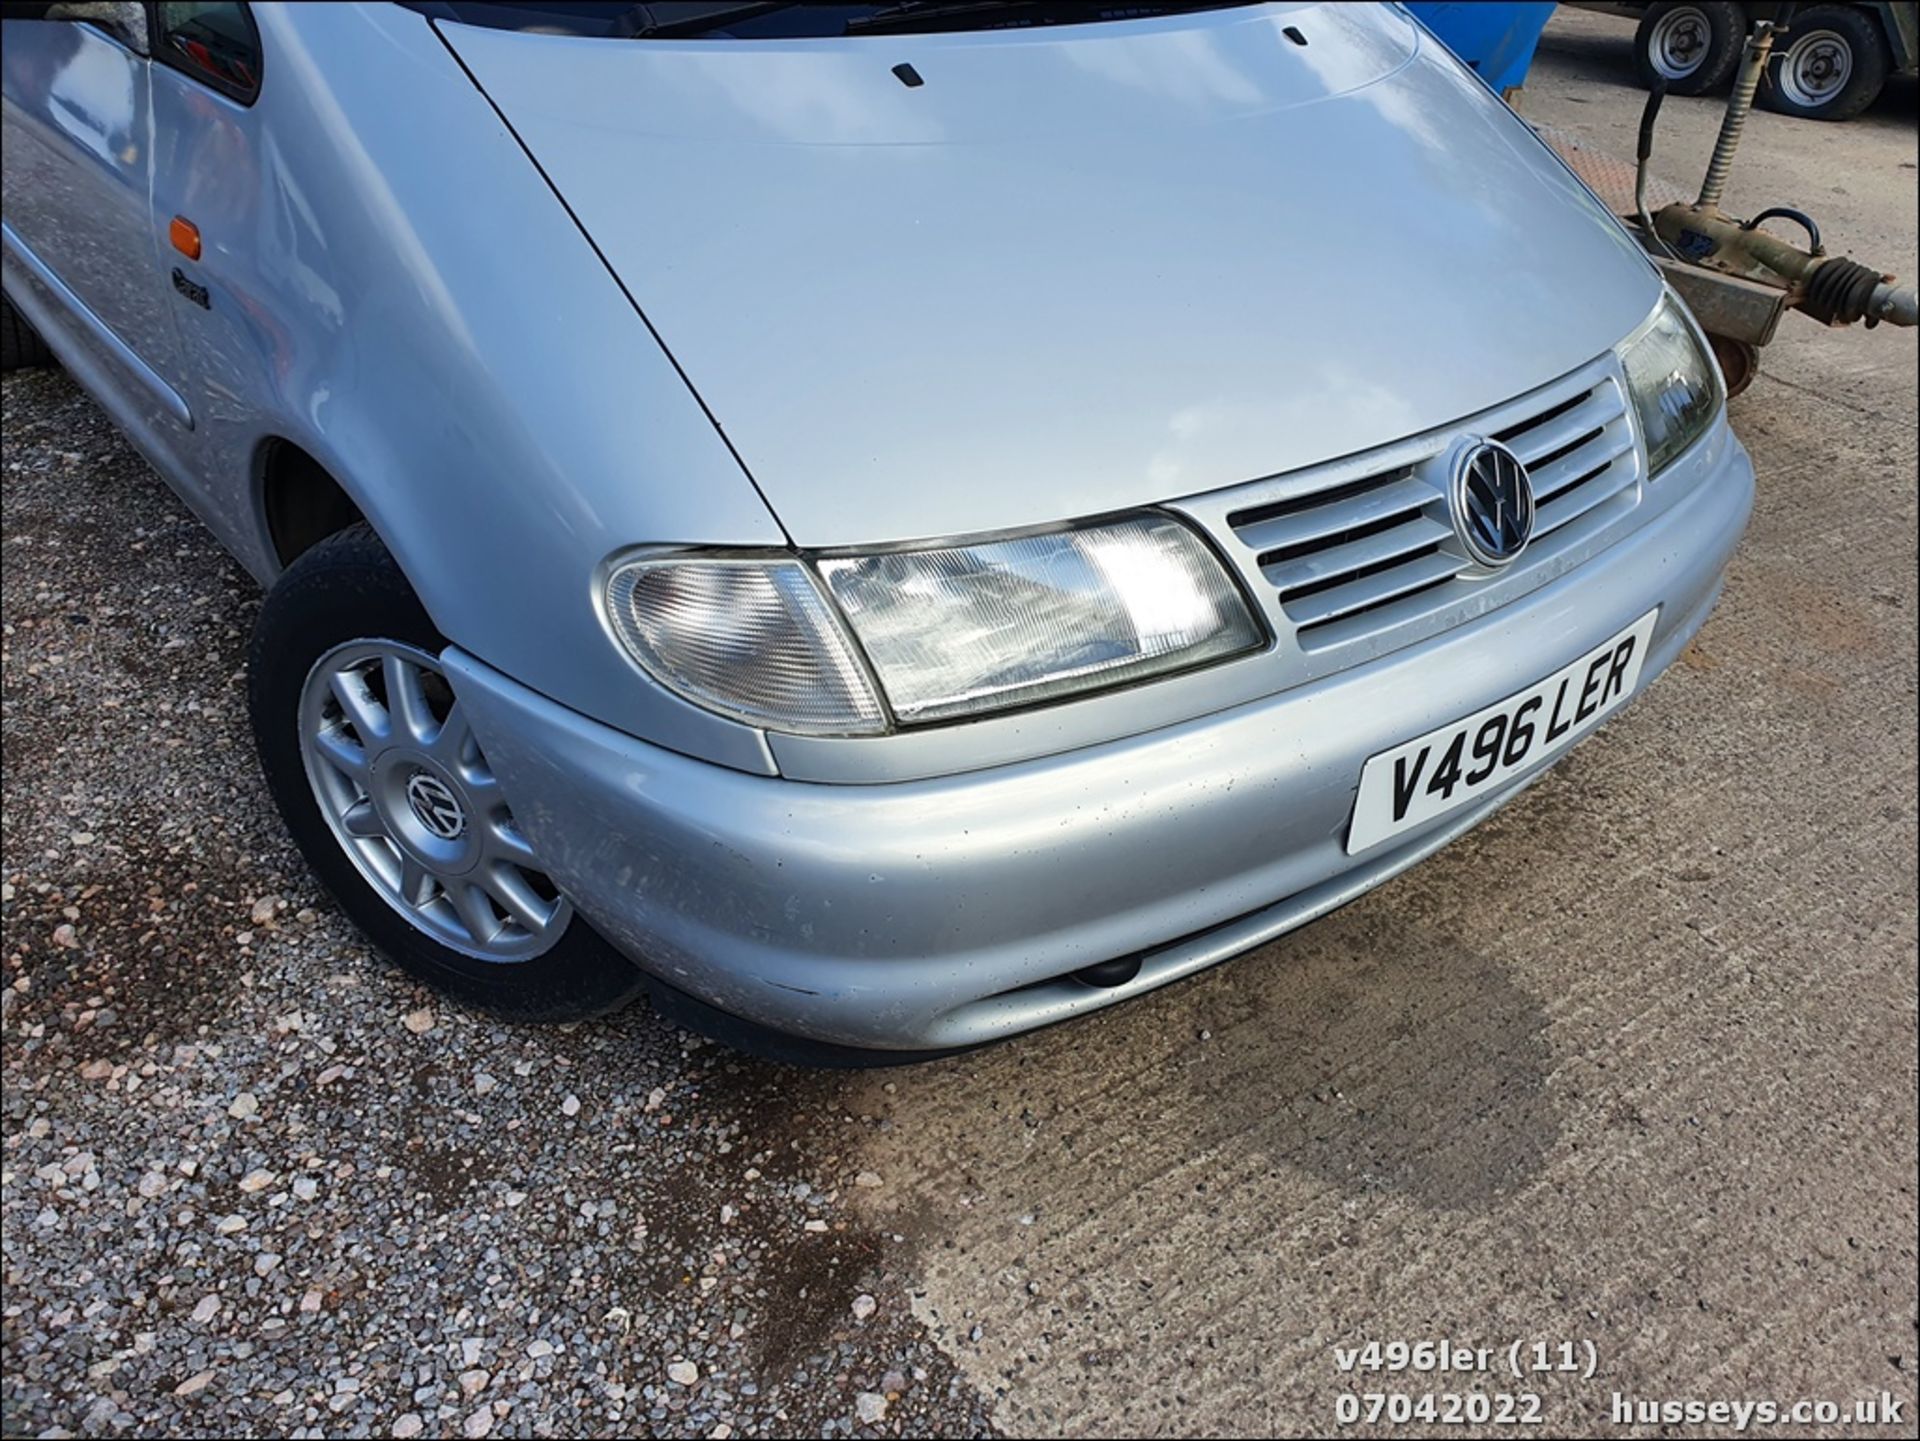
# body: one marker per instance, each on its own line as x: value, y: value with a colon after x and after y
x: 1739, y: 361
x: 1753, y: 64
x: 1706, y: 236
x: 1745, y: 311
x: 1832, y: 289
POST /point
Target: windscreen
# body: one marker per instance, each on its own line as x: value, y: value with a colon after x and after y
x: 733, y: 20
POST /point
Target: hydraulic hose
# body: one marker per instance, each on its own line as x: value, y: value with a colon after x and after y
x: 1655, y: 94
x: 1753, y: 64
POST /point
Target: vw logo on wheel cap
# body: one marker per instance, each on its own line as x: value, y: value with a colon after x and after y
x: 1492, y: 503
x: 435, y: 806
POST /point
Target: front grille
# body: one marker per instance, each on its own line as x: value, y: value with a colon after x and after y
x: 1348, y: 553
x: 1360, y: 555
x: 1579, y: 455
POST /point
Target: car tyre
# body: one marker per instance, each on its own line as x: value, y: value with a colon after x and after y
x: 389, y: 798
x: 1830, y: 65
x: 1693, y: 45
x: 20, y: 344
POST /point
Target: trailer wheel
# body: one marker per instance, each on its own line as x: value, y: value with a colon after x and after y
x: 1832, y: 66
x: 1693, y: 45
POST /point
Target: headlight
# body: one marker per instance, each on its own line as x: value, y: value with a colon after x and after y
x: 965, y: 629
x: 1673, y: 382
x: 948, y: 632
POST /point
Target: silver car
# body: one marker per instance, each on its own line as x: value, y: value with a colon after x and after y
x: 887, y: 525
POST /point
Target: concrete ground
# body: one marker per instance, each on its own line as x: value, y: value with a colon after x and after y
x: 1660, y: 1096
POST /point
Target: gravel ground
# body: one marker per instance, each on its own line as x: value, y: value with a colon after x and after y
x: 257, y: 1183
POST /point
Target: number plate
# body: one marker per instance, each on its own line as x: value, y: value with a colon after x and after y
x: 1445, y: 769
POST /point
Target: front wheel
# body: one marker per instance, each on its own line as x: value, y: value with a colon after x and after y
x: 1832, y: 65
x: 391, y: 800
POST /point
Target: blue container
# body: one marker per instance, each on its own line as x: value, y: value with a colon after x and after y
x: 1497, y: 40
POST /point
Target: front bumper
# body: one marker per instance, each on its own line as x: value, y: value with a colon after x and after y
x: 938, y: 913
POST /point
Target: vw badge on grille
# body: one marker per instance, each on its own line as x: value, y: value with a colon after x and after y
x: 1492, y: 503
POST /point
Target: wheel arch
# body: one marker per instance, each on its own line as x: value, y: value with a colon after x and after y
x: 299, y: 501
x: 303, y: 494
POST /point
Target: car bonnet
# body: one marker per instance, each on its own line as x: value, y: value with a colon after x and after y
x: 1073, y: 269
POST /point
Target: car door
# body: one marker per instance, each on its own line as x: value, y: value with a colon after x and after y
x: 215, y: 170
x: 79, y: 231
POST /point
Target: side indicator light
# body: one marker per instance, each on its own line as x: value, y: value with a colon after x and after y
x: 185, y: 236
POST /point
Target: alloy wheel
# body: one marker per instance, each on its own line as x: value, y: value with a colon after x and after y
x: 405, y: 789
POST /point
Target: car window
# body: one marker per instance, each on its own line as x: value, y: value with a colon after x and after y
x: 215, y: 44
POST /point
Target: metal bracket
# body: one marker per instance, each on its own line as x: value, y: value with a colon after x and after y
x: 1728, y: 305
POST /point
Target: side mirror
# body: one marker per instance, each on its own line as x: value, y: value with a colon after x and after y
x: 127, y: 23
